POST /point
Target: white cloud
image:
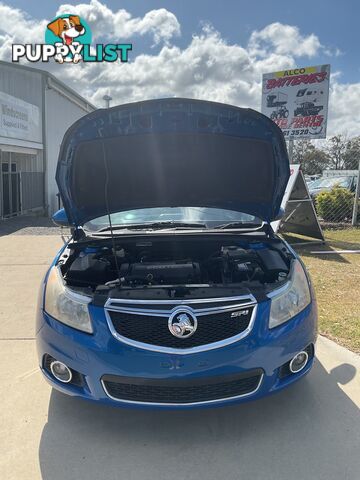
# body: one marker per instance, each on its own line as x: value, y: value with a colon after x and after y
x: 106, y: 23
x: 19, y: 28
x: 344, y: 111
x: 209, y: 67
x: 283, y: 40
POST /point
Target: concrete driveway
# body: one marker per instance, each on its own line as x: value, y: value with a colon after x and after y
x: 310, y: 431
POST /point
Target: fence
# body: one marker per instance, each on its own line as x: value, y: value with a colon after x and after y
x: 338, y: 206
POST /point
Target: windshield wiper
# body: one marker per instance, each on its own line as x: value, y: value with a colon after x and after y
x: 155, y: 225
x: 245, y: 225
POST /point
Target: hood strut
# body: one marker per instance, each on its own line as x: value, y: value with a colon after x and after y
x: 106, y: 188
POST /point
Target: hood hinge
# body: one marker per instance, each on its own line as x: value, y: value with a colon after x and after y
x: 78, y: 234
x: 268, y: 230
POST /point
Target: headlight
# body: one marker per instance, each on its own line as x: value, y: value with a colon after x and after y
x: 292, y: 298
x: 66, y: 306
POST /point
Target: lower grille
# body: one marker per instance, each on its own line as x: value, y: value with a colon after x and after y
x: 143, y: 390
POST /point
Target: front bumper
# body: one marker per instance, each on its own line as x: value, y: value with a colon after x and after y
x: 99, y: 355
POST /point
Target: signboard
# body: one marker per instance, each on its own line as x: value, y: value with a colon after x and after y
x: 297, y: 101
x: 300, y: 215
x: 18, y: 119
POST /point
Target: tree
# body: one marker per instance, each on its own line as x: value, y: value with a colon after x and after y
x: 339, y: 153
x: 301, y: 148
x: 336, y: 148
x: 315, y: 162
x: 352, y: 154
x: 312, y: 160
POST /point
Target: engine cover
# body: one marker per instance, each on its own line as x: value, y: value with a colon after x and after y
x: 161, y: 272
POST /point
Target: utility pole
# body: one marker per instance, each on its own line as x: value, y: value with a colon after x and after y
x: 291, y: 149
x: 356, y: 199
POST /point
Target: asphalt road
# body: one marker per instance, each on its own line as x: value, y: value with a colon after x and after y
x: 310, y: 431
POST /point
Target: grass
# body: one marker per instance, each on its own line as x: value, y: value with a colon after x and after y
x: 336, y: 279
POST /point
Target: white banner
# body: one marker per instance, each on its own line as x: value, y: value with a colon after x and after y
x: 18, y: 119
x: 297, y: 101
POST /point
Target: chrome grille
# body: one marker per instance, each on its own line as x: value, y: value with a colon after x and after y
x: 144, y: 324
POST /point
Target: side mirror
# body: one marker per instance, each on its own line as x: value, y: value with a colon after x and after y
x: 280, y: 214
x: 60, y: 218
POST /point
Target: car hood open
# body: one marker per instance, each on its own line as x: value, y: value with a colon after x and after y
x: 172, y: 153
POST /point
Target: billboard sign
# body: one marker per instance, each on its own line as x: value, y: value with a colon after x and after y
x: 297, y: 101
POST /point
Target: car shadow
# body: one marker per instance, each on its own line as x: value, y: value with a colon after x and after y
x: 30, y: 225
x: 329, y: 257
x: 310, y: 430
x: 305, y: 247
x: 308, y: 251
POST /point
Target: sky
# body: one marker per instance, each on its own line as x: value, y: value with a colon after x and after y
x: 209, y: 49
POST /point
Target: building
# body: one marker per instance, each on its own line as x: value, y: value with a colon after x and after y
x: 35, y: 111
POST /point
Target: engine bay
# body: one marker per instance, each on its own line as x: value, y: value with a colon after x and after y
x: 170, y: 262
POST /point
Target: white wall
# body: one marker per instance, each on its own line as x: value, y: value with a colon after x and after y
x: 23, y: 86
x: 60, y: 113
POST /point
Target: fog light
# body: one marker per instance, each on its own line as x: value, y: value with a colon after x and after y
x: 298, y: 362
x: 60, y: 371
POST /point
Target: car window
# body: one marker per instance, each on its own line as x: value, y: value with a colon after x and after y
x: 330, y: 182
x: 211, y: 217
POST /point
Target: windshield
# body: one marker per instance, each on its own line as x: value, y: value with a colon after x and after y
x: 330, y: 182
x: 211, y: 217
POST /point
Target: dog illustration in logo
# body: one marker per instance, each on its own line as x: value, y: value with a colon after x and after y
x: 67, y: 29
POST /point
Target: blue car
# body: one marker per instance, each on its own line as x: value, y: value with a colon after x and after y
x: 174, y: 291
